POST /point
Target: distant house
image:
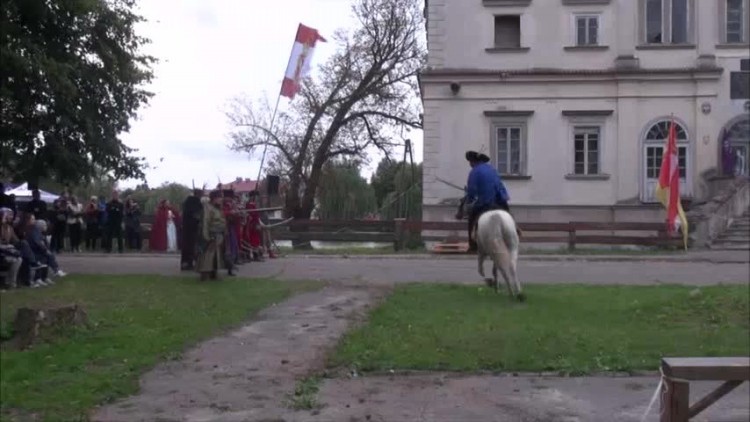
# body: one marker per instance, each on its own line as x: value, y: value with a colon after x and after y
x: 243, y: 187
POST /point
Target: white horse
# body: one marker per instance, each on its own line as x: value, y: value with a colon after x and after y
x: 497, y: 238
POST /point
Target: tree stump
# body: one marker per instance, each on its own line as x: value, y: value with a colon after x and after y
x: 33, y: 325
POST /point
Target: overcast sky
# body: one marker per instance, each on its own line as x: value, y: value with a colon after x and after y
x: 211, y: 51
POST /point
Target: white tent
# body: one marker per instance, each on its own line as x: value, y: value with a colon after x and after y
x: 23, y: 192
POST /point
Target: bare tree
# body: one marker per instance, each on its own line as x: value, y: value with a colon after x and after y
x: 365, y: 90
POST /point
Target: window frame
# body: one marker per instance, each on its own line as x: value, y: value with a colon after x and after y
x: 667, y: 24
x: 724, y: 23
x: 586, y: 130
x: 587, y: 16
x: 497, y: 46
x: 508, y: 123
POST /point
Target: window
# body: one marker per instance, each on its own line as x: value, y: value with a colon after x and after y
x: 508, y: 31
x: 735, y: 31
x: 587, y: 30
x: 654, y: 156
x: 586, y: 150
x: 667, y: 21
x: 508, y: 149
x: 653, y: 21
x: 739, y: 82
x: 658, y: 135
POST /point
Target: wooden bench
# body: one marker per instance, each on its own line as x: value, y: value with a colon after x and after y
x: 677, y: 374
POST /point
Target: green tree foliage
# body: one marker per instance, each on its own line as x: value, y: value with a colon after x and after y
x: 405, y: 200
x: 384, y: 179
x: 148, y: 198
x: 71, y: 79
x: 343, y: 193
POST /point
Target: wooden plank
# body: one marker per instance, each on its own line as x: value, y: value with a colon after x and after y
x: 712, y: 397
x: 335, y: 237
x: 707, y: 369
x: 675, y: 404
x: 617, y: 226
x: 622, y: 240
x: 353, y: 225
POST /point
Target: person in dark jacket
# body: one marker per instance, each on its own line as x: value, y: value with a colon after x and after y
x: 36, y: 206
x: 133, y: 224
x: 115, y: 214
x: 192, y: 209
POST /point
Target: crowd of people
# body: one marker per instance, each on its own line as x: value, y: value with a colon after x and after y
x: 223, y: 224
x: 222, y: 231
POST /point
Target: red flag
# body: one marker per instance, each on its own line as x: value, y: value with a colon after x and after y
x: 300, y: 60
x: 668, y: 189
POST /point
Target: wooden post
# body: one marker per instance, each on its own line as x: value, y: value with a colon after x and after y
x: 571, y: 238
x: 399, y: 234
x: 675, y: 401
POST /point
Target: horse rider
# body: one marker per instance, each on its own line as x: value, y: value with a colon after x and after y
x: 484, y: 191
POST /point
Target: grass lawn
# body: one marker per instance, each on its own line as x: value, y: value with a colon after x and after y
x: 573, y: 329
x: 139, y: 321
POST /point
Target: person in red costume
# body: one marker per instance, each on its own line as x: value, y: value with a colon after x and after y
x: 253, y: 234
x: 165, y: 233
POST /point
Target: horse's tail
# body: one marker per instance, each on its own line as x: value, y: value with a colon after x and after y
x: 507, y: 225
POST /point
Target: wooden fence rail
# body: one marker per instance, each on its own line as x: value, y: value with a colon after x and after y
x: 400, y: 231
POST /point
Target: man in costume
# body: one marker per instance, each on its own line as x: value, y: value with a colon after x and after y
x: 253, y: 234
x: 211, y: 245
x: 484, y: 191
x: 191, y: 218
x: 233, y: 220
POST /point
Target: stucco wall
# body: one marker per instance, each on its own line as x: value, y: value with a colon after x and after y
x: 455, y: 122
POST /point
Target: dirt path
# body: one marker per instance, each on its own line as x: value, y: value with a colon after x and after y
x: 245, y: 375
x: 387, y: 271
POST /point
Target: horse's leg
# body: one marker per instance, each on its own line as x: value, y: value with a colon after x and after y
x: 503, y: 263
x: 480, y: 262
x: 494, y: 280
x: 514, y: 276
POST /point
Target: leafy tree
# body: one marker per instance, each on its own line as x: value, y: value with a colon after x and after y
x: 343, y: 193
x: 384, y: 179
x: 405, y: 201
x: 71, y: 79
x: 149, y: 198
x: 360, y: 95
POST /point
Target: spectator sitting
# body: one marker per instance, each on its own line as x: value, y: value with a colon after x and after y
x: 35, y: 236
x: 10, y: 257
x: 14, y: 248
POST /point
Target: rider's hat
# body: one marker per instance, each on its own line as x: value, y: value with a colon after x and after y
x: 472, y: 156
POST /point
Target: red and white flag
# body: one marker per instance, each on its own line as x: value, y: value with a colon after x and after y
x: 300, y: 60
x: 668, y: 189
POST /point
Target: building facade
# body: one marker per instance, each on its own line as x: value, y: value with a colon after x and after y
x: 572, y: 99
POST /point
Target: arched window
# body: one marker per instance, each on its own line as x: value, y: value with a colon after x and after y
x: 738, y: 141
x: 653, y: 148
x: 660, y: 131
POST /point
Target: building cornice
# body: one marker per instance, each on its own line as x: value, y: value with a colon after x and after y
x: 506, y: 3
x: 586, y: 2
x: 537, y: 74
x: 508, y: 113
x: 587, y: 113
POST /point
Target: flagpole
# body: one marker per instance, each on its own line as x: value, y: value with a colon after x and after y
x: 268, y: 137
x: 273, y: 116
